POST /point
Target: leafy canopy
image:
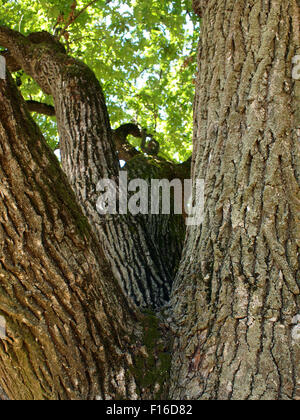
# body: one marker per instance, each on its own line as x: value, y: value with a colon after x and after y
x: 142, y: 51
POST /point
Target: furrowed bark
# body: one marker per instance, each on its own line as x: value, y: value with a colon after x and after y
x: 68, y: 325
x: 167, y: 232
x: 237, y: 299
x: 88, y: 155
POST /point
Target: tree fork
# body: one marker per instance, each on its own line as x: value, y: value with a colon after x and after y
x: 68, y: 325
x: 88, y: 154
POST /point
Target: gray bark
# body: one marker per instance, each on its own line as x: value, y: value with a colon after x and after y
x: 68, y: 326
x: 88, y: 155
x: 236, y: 300
x: 236, y: 296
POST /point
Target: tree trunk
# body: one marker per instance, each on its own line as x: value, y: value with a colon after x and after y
x: 236, y: 300
x: 89, y: 155
x: 68, y: 326
x: 71, y: 333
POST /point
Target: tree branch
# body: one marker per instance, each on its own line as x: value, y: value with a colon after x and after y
x: 32, y: 53
x: 41, y: 108
x: 126, y: 151
x: 11, y: 63
x: 88, y: 154
x: 59, y: 297
x: 198, y: 6
x: 10, y: 38
x: 124, y: 148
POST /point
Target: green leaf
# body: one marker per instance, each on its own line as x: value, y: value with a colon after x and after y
x: 137, y: 49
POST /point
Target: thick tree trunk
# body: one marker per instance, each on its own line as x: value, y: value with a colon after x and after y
x: 89, y: 155
x: 237, y: 298
x: 70, y: 332
x: 69, y: 328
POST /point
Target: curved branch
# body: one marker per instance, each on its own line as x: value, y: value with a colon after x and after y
x: 70, y: 82
x: 65, y: 308
x: 151, y: 147
x: 124, y: 148
x: 88, y: 154
x: 41, y: 108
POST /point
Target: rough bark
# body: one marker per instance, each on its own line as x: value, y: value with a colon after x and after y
x: 88, y: 155
x: 236, y: 299
x: 167, y: 232
x: 69, y: 327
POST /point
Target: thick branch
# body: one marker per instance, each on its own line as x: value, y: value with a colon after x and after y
x: 41, y: 108
x: 11, y: 63
x: 10, y: 39
x: 124, y: 148
x: 66, y: 318
x: 88, y: 155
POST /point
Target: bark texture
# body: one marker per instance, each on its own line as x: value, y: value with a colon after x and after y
x: 68, y: 325
x: 88, y: 155
x: 236, y: 296
x: 71, y: 334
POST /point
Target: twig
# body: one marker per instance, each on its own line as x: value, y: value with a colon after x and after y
x: 76, y: 17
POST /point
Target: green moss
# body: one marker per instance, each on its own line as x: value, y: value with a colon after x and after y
x: 149, y: 168
x: 151, y: 370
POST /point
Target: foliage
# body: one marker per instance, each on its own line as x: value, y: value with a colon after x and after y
x: 142, y: 51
